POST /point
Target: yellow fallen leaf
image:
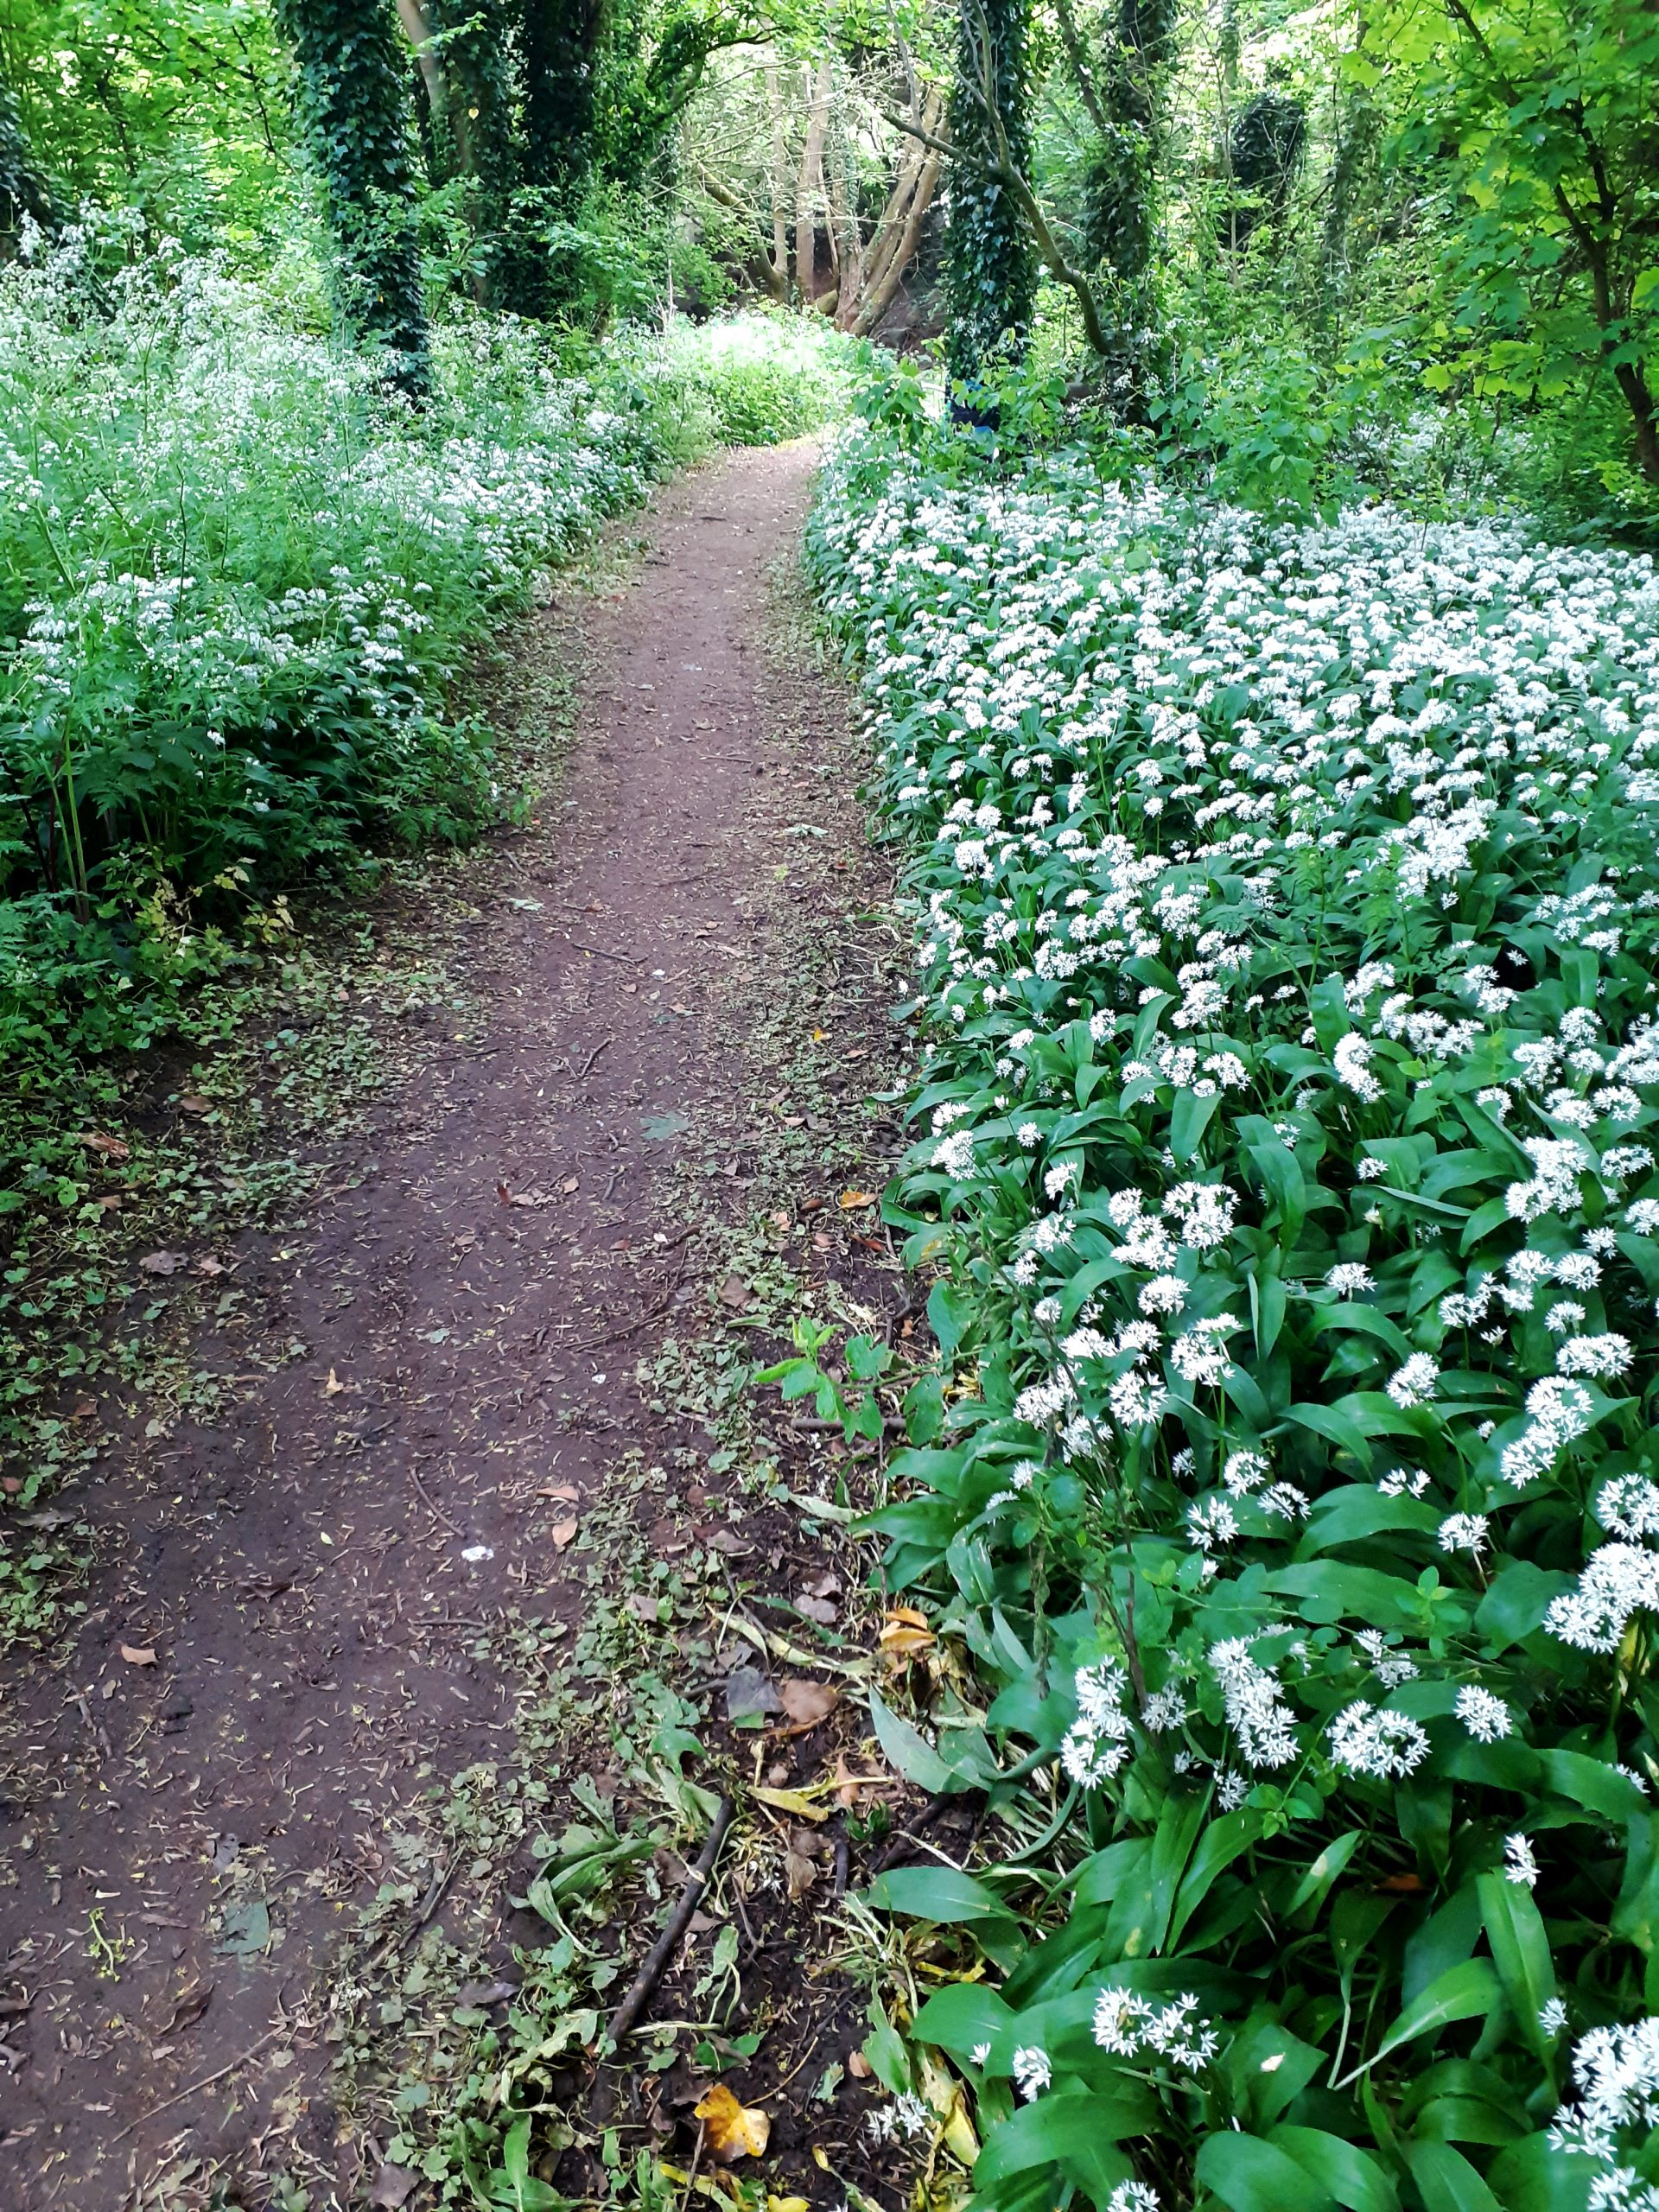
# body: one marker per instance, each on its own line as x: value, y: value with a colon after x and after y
x: 792, y: 1801
x: 849, y: 1201
x: 731, y: 2130
x: 334, y: 1386
x: 786, y: 2203
x: 905, y: 1632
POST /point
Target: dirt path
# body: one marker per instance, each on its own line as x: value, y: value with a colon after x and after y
x: 334, y: 1580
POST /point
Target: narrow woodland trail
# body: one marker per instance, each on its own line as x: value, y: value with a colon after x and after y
x: 340, y: 1580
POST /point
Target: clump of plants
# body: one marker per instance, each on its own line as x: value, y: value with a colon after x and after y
x: 1287, y: 907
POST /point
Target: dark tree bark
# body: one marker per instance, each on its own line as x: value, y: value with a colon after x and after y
x: 23, y: 188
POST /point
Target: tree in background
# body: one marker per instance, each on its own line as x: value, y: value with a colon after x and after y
x: 1125, y: 91
x: 350, y: 92
x: 991, y: 259
x: 1551, y: 106
x: 24, y: 191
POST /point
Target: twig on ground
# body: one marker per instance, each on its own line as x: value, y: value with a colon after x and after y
x: 205, y: 2083
x: 623, y: 2020
x: 628, y: 959
x: 603, y: 1046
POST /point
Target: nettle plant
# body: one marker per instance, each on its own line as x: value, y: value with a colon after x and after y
x: 1290, y: 899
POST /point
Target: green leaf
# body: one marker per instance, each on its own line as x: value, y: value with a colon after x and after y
x: 1515, y: 1928
x: 1251, y: 2175
x: 1069, y: 2129
x: 1223, y: 1842
x: 941, y: 1894
x: 961, y: 2017
x: 1447, y: 2181
x: 1189, y: 1117
x: 1364, y: 1321
x: 908, y: 1752
x: 1351, y: 2176
x: 1462, y: 1993
x: 1593, y: 1784
x: 1338, y: 1428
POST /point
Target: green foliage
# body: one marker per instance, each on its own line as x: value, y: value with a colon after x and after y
x: 763, y: 379
x: 1552, y: 262
x: 1286, y: 1157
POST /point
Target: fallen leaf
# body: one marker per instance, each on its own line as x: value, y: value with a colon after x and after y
x: 735, y: 1292
x: 850, y: 1201
x: 905, y: 1632
x: 808, y: 1703
x: 787, y: 2205
x: 800, y: 1865
x: 190, y: 2007
x: 482, y: 1994
x: 823, y: 1585
x: 392, y: 2187
x: 563, y: 1533
x: 568, y: 1492
x: 570, y: 1183
x: 84, y: 1409
x: 729, y: 1541
x: 858, y: 2066
x: 749, y: 1695
x: 194, y: 1103
x: 732, y: 2131
x: 161, y: 1263
x: 138, y: 1654
x: 824, y: 1611
x: 334, y: 1386
x: 796, y: 1803
x: 112, y: 1148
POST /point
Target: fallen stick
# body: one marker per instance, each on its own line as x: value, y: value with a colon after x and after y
x: 623, y: 2020
x: 205, y: 2083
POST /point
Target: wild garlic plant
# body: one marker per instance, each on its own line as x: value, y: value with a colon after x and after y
x: 1286, y: 902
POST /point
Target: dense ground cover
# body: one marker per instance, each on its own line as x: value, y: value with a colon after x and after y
x: 1287, y: 899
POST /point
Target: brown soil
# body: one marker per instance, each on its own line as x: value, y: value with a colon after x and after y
x: 195, y: 1844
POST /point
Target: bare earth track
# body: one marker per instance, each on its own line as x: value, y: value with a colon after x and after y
x: 187, y: 1841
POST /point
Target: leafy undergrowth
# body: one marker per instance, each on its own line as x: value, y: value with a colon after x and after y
x: 1287, y: 899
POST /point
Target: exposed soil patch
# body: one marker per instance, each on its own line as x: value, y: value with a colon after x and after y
x: 485, y: 1450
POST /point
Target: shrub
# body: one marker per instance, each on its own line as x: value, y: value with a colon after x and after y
x: 1289, y: 898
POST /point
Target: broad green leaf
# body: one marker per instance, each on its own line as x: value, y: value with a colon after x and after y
x: 1069, y: 2129
x: 1189, y: 1117
x: 1353, y: 2176
x: 909, y: 1753
x: 1462, y: 1993
x: 1251, y: 2175
x: 1447, y: 2181
x: 961, y: 2017
x: 943, y: 1894
x: 1515, y: 1928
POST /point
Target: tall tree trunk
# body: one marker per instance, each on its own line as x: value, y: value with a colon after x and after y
x: 475, y: 64
x: 779, y: 287
x: 808, y: 187
x: 991, y: 264
x: 845, y: 228
x: 417, y: 28
x: 352, y: 99
x: 558, y: 45
x: 882, y: 287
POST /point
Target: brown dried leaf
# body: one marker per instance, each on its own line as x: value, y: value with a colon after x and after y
x: 334, y: 1386
x: 112, y: 1148
x: 858, y: 2066
x: 138, y: 1654
x: 194, y: 1103
x: 732, y: 2131
x: 563, y: 1533
x: 735, y: 1292
x: 808, y: 1703
x: 161, y: 1263
x: 905, y: 1632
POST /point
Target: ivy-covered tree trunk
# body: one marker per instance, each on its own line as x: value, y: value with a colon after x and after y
x: 991, y: 262
x: 353, y: 99
x: 1126, y: 97
x: 478, y: 70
